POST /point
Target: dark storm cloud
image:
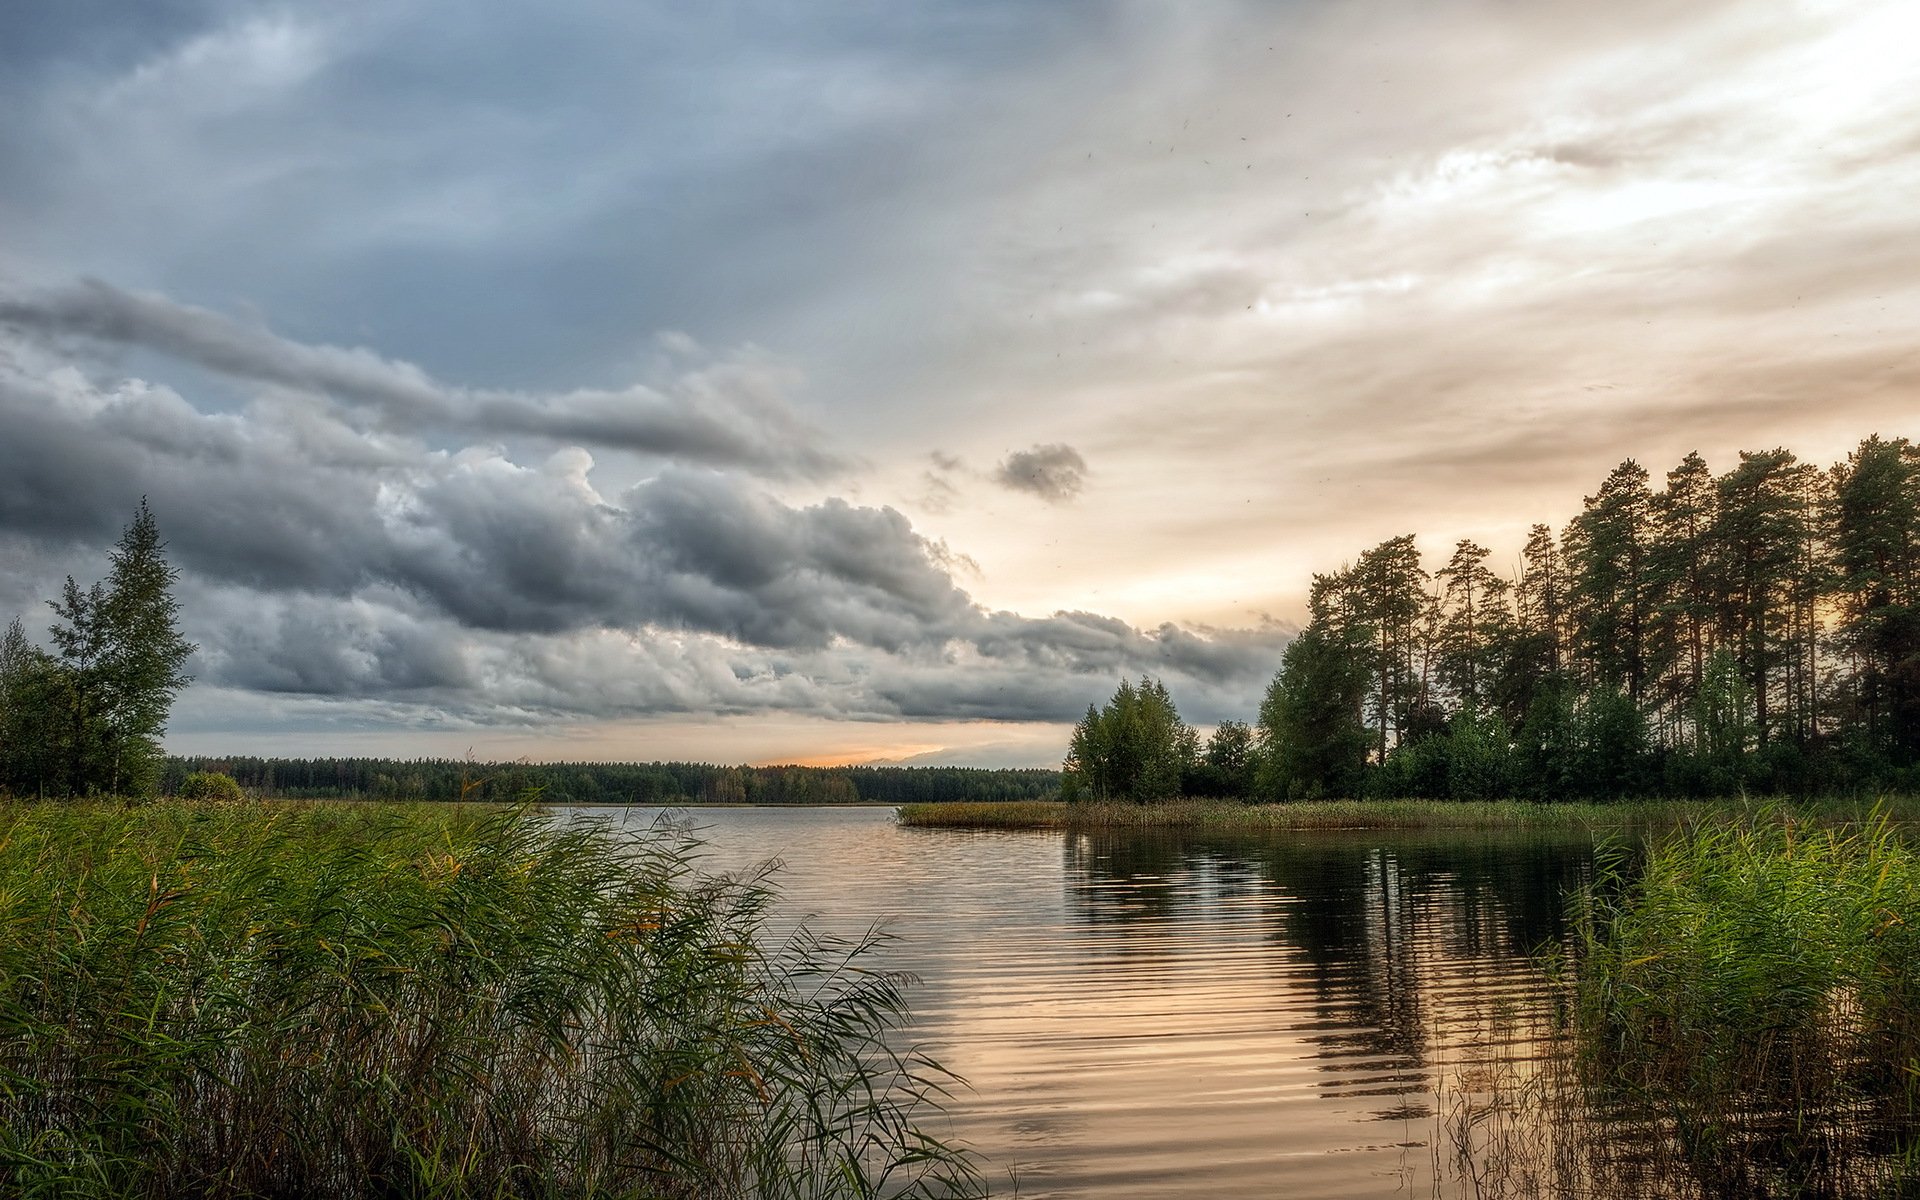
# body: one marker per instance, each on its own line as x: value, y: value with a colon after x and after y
x: 1053, y: 472
x: 713, y: 418
x: 327, y: 561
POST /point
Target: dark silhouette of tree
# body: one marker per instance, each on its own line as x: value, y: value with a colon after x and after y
x: 1683, y: 591
x: 1476, y: 626
x: 1874, y: 523
x: 1226, y: 766
x: 1757, y: 630
x: 1606, y: 553
x: 1761, y: 536
x: 1386, y: 600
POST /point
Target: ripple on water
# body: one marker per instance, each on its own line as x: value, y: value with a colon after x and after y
x: 1150, y: 1015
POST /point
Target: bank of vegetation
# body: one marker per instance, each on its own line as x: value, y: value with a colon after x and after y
x: 383, y: 1000
x: 1232, y: 815
x: 1754, y: 632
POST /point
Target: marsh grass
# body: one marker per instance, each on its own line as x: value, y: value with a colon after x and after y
x: 375, y: 1000
x: 1304, y: 814
x: 1756, y: 987
x: 1739, y: 1015
x: 1232, y: 815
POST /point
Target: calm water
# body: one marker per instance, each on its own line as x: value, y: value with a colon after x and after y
x: 1159, y: 1015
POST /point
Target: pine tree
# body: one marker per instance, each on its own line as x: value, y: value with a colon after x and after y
x: 1765, y: 519
x: 1606, y: 553
x: 1475, y: 625
x: 121, y: 656
x: 1388, y: 599
x: 1312, y: 733
x: 1873, y: 522
x: 1683, y: 591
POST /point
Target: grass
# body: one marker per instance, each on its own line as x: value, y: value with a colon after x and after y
x: 342, y: 1000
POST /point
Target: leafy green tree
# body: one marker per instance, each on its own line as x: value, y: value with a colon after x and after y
x: 1479, y: 756
x: 1136, y: 748
x: 1312, y: 736
x: 1613, y: 755
x: 1226, y: 766
x: 34, y: 693
x: 210, y: 785
x: 1547, y: 743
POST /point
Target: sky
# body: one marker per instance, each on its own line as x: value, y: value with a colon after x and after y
x: 835, y: 382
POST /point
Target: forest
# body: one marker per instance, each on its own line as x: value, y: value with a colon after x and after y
x: 1755, y: 631
x: 611, y: 783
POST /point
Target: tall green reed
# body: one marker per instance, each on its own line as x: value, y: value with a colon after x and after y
x: 1754, y: 989
x: 374, y: 1001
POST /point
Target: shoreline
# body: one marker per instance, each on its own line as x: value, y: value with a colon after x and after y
x: 1329, y: 815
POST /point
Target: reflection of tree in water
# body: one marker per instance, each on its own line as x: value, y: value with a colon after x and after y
x: 1148, y: 881
x: 1396, y: 938
x: 1412, y: 937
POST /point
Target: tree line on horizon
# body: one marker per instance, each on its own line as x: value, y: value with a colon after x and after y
x: 1752, y: 631
x: 644, y: 783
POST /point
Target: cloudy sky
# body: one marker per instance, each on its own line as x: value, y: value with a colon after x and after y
x: 847, y: 381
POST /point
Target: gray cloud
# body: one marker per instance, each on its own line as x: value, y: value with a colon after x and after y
x: 325, y: 561
x: 1053, y: 472
x: 721, y: 417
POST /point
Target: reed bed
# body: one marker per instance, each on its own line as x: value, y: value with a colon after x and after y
x: 336, y: 1000
x: 1232, y: 815
x: 1738, y: 1016
x: 1755, y: 988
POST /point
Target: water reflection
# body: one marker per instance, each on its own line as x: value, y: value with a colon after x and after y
x: 1388, y: 946
x: 1179, y: 1015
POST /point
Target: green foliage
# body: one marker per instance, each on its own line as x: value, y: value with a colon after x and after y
x: 89, y: 721
x: 372, y: 1001
x: 1757, y: 984
x: 209, y: 785
x: 35, y: 695
x: 1136, y: 748
x: 1226, y: 766
x: 1313, y: 744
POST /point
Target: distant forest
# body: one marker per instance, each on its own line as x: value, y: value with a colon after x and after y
x: 1756, y: 631
x: 665, y: 783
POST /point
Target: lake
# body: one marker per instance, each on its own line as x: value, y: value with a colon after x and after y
x: 1159, y: 1015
